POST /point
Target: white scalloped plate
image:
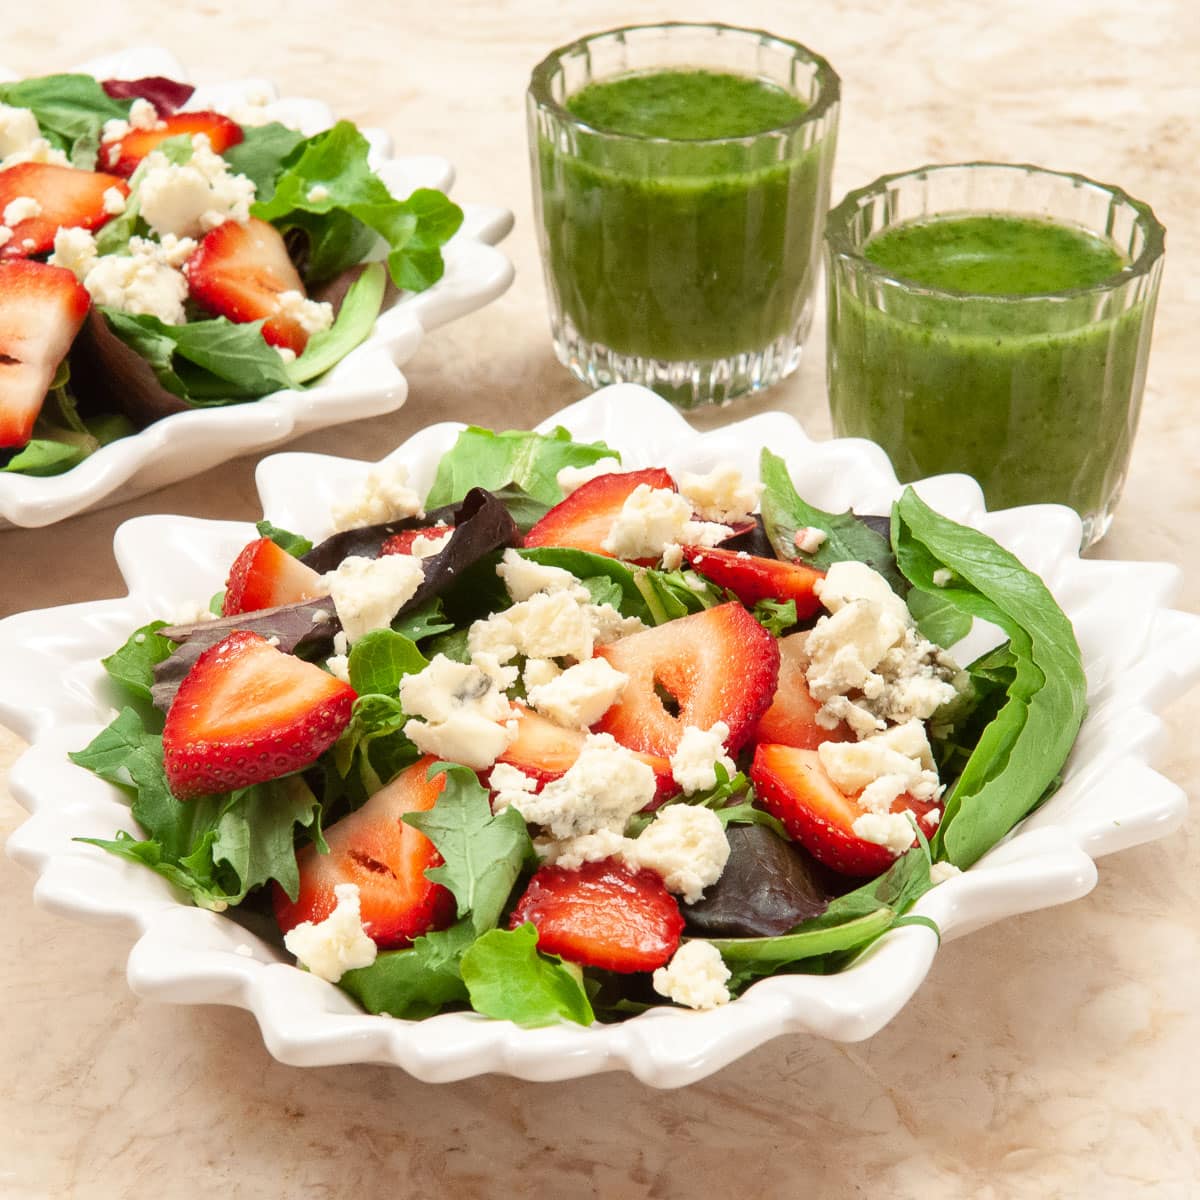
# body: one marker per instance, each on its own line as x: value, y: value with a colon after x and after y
x: 366, y: 383
x: 1139, y: 654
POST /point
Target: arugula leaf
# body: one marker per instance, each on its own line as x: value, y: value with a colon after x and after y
x: 68, y: 108
x: 374, y: 738
x: 380, y: 659
x: 333, y: 166
x: 483, y: 853
x: 203, y: 362
x: 295, y: 544
x: 262, y: 153
x: 847, y: 539
x: 416, y: 982
x: 531, y: 461
x: 775, y: 616
x: 509, y: 979
x: 351, y: 327
x: 1021, y: 750
x: 132, y: 666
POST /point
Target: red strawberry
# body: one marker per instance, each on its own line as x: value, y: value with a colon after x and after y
x: 752, y: 579
x: 792, y: 718
x: 263, y: 575
x: 545, y: 751
x: 716, y: 665
x: 247, y: 712
x: 124, y: 154
x: 402, y: 542
x: 375, y: 849
x: 585, y: 518
x: 793, y: 786
x: 67, y: 197
x: 41, y: 311
x: 240, y: 271
x: 602, y: 915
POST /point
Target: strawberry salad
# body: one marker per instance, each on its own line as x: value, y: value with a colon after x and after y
x: 562, y: 741
x: 154, y: 259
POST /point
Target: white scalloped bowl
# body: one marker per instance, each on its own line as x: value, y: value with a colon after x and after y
x: 368, y: 382
x: 1138, y: 652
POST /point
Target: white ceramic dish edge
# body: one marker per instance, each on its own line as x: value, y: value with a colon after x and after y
x: 1140, y: 654
x: 368, y: 382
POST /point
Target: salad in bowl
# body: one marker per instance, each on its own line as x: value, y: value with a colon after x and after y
x: 168, y: 252
x: 566, y: 753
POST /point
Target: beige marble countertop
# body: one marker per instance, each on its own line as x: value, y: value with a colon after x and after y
x: 1050, y: 1056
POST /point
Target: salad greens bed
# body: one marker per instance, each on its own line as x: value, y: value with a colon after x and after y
x: 999, y: 747
x: 348, y: 235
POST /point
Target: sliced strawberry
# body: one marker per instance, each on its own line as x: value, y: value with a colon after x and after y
x: 602, y: 915
x: 793, y: 786
x: 402, y: 542
x: 545, y: 751
x: 67, y: 197
x: 792, y: 718
x: 585, y: 518
x: 264, y: 575
x: 247, y: 712
x: 752, y: 579
x: 386, y: 858
x: 124, y: 154
x: 41, y: 311
x: 716, y: 665
x: 240, y: 271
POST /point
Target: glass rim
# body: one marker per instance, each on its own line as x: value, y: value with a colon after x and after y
x: 828, y: 84
x: 838, y: 241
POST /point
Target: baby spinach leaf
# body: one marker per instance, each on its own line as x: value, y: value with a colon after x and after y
x: 847, y: 538
x: 416, y: 982
x: 483, y: 853
x: 67, y: 107
x: 531, y: 461
x: 262, y: 153
x: 509, y: 979
x: 351, y: 327
x: 132, y: 666
x: 525, y: 510
x: 938, y: 618
x: 42, y: 457
x: 328, y: 179
x: 293, y: 543
x: 426, y: 621
x: 380, y: 659
x: 1020, y: 751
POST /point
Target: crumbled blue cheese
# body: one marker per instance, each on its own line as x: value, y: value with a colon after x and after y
x: 338, y: 944
x: 723, y: 495
x: 426, y: 547
x: 694, y: 763
x: 368, y: 592
x: 338, y: 666
x: 538, y: 672
x: 114, y: 201
x: 580, y: 695
x: 892, y: 831
x: 188, y: 199
x: 695, y: 977
x: 808, y: 539
x: 571, y: 853
x: 672, y: 556
x: 601, y: 790
x: 459, y: 714
x: 524, y: 578
x: 942, y: 577
x: 385, y: 496
x: 939, y: 872
x: 143, y: 115
x: 145, y: 279
x: 318, y: 194
x: 651, y: 519
x: 883, y: 766
x: 21, y: 208
x: 313, y: 316
x: 686, y: 845
x: 571, y: 479
x: 18, y: 129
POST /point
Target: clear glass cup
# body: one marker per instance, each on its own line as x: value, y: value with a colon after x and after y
x: 687, y: 265
x: 1036, y: 396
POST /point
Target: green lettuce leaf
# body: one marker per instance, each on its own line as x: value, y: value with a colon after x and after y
x: 417, y: 982
x: 296, y: 545
x: 351, y: 327
x: 509, y: 979
x: 68, y: 108
x: 262, y: 153
x: 132, y: 666
x: 373, y: 743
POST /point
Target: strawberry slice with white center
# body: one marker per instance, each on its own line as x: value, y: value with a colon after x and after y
x: 602, y: 915
x: 585, y: 518
x: 752, y: 579
x: 41, y: 311
x: 716, y: 665
x: 792, y: 718
x: 386, y: 858
x: 244, y: 272
x: 247, y: 712
x: 64, y: 197
x: 264, y: 575
x: 545, y: 751
x: 792, y: 785
x: 123, y: 155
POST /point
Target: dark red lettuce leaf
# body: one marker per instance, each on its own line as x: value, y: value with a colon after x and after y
x: 167, y: 95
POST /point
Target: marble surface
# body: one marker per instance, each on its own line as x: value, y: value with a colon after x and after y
x: 1045, y: 1057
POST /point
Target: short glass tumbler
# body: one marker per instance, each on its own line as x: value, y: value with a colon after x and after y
x: 686, y: 265
x: 1037, y: 396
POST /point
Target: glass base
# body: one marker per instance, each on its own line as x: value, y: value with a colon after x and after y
x: 688, y: 384
x: 1096, y: 525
